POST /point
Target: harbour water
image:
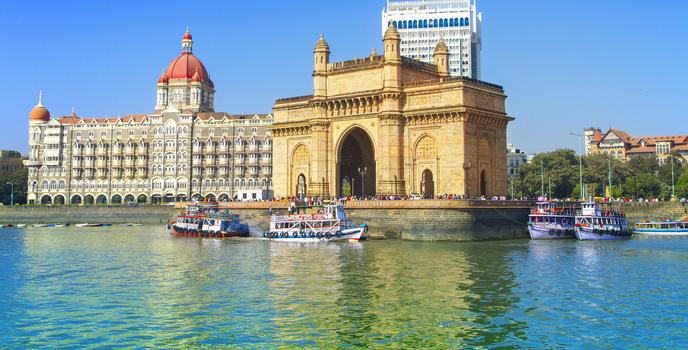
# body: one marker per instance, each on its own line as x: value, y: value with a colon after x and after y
x: 139, y: 287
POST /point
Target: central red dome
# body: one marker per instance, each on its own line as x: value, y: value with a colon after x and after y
x: 185, y: 66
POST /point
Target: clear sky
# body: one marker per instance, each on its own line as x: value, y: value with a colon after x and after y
x: 565, y: 65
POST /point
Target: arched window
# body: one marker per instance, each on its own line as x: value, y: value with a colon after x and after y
x: 484, y: 147
x: 425, y: 23
x: 451, y: 22
x: 434, y: 23
x: 426, y: 148
x: 446, y: 22
x: 466, y: 22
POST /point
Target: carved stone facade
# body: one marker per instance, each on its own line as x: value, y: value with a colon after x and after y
x: 389, y: 125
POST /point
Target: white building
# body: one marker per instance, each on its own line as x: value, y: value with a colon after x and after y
x: 182, y: 150
x: 422, y: 23
x: 515, y: 158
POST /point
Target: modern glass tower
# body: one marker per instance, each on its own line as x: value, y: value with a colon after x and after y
x: 422, y: 23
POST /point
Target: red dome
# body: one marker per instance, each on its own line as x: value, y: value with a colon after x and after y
x: 187, y: 36
x: 185, y: 66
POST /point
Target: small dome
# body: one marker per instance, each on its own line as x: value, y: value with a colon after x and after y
x: 196, y: 77
x: 163, y: 79
x: 187, y: 35
x: 392, y: 33
x: 185, y: 66
x: 39, y: 113
x: 322, y: 44
x: 441, y: 47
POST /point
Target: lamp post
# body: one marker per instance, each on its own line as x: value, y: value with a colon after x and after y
x: 11, y: 192
x: 580, y: 164
x: 362, y: 172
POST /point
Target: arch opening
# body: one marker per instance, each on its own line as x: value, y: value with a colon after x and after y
x: 46, y: 200
x: 357, y: 161
x: 116, y: 199
x: 89, y: 200
x: 427, y: 184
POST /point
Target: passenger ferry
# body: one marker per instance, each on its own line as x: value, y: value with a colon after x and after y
x: 206, y: 219
x: 328, y: 224
x: 601, y: 221
x: 662, y: 227
x: 553, y: 220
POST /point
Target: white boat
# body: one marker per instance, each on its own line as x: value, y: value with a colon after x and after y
x: 328, y: 224
x: 662, y: 227
x: 89, y: 225
x: 21, y: 226
x: 553, y: 220
x: 601, y: 222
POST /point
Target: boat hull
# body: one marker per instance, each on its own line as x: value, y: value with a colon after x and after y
x: 586, y: 234
x: 353, y: 234
x: 204, y: 234
x: 662, y: 232
x: 549, y: 233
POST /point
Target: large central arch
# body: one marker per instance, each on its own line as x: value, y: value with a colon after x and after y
x: 356, y: 151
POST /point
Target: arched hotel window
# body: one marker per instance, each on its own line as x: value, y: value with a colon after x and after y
x: 446, y: 22
x: 434, y: 23
x: 425, y: 23
x: 466, y: 21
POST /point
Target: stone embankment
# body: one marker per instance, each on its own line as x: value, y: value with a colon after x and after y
x: 431, y: 220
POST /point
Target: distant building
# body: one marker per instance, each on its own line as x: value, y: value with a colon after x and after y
x: 422, y: 23
x: 10, y: 161
x: 619, y: 145
x: 515, y: 158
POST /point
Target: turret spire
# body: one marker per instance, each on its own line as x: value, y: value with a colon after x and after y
x: 40, y: 98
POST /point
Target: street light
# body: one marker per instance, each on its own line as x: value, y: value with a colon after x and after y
x: 362, y: 172
x: 11, y: 193
x: 580, y: 163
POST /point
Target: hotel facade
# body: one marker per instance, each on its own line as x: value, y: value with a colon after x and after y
x: 183, y: 150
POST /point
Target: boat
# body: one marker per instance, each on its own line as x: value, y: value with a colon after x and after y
x: 208, y: 220
x: 601, y: 221
x: 21, y: 226
x: 43, y: 225
x: 130, y: 225
x: 325, y: 225
x: 662, y: 227
x: 61, y: 225
x: 89, y: 225
x: 553, y: 220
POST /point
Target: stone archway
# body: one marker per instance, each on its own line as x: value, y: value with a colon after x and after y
x: 483, y: 182
x: 46, y: 200
x: 129, y: 199
x: 301, y: 185
x: 116, y: 199
x: 76, y: 199
x: 89, y: 200
x: 101, y: 199
x: 356, y: 152
x: 142, y: 199
x: 59, y: 200
x: 427, y: 184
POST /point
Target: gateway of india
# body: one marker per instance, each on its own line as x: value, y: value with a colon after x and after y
x: 390, y: 125
x: 183, y: 150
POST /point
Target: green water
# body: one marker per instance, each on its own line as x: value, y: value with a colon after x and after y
x: 138, y: 287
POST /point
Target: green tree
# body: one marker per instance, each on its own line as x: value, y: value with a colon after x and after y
x: 19, y: 178
x: 560, y: 168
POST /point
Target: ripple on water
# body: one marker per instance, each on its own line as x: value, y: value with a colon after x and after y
x: 66, y: 288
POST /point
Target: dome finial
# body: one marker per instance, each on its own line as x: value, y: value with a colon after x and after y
x: 40, y: 98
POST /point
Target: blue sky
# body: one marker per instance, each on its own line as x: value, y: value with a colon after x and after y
x: 565, y: 65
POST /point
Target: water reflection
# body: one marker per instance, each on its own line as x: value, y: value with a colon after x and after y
x: 67, y: 288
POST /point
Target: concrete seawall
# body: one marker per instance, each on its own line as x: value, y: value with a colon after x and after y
x: 410, y: 220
